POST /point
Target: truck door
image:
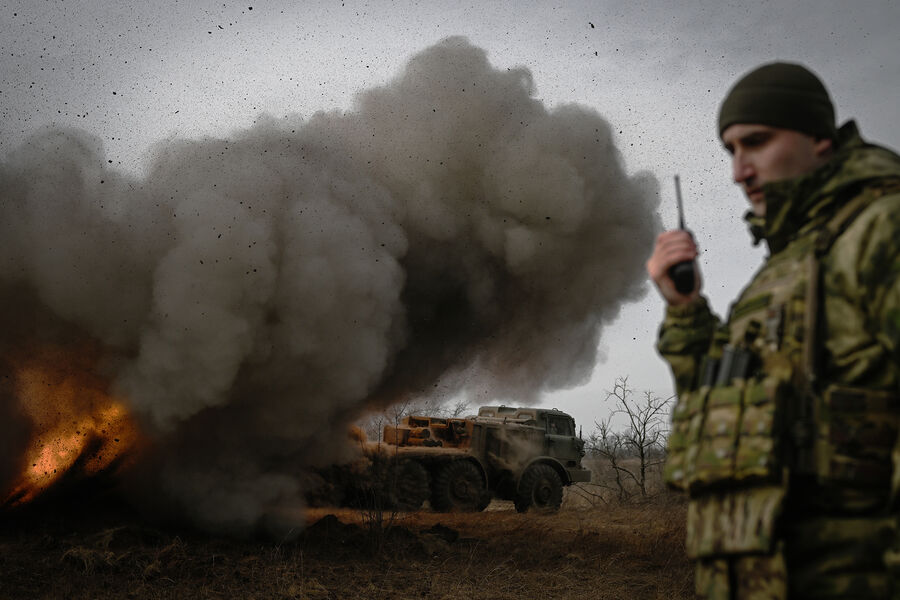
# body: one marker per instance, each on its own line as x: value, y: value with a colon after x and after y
x: 561, y: 441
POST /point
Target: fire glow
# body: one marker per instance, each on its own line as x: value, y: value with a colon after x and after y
x: 79, y: 428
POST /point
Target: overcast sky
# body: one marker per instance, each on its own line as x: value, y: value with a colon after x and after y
x: 143, y: 72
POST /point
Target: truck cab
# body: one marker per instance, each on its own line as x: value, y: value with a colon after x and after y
x: 559, y: 439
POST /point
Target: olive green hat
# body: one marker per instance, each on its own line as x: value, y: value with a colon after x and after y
x: 782, y: 95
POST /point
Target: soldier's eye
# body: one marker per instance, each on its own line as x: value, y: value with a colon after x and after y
x: 756, y: 139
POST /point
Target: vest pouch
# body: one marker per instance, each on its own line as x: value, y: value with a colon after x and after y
x: 856, y: 433
x: 717, y: 447
x: 734, y: 522
x: 681, y: 447
x: 759, y: 453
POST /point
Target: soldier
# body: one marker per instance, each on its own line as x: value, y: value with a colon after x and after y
x: 787, y: 414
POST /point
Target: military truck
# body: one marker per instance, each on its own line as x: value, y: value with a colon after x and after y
x: 526, y: 455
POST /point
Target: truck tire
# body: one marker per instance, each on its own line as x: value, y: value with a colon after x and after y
x: 458, y: 487
x: 408, y: 485
x: 540, y: 488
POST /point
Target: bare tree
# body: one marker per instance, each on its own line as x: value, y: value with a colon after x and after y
x: 457, y: 409
x: 607, y: 445
x: 373, y: 425
x: 636, y: 450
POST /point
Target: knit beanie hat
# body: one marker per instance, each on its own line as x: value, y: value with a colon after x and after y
x: 782, y: 95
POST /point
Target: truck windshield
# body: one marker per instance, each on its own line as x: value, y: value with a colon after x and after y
x: 560, y: 426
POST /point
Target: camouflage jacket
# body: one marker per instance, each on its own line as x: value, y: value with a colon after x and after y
x: 859, y: 307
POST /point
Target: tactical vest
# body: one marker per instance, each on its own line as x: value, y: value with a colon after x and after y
x: 759, y: 413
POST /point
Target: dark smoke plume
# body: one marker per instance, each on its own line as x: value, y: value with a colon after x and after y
x: 257, y: 293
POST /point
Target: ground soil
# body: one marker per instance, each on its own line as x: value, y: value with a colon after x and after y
x: 607, y: 551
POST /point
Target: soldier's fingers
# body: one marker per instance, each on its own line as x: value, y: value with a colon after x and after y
x: 667, y: 255
x: 674, y: 234
x: 670, y: 239
x: 678, y: 253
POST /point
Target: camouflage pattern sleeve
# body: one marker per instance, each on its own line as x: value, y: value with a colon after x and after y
x: 879, y: 280
x: 864, y: 271
x: 876, y: 256
x: 685, y: 338
x: 880, y: 276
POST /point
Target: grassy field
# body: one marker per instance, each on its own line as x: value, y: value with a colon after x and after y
x: 104, y: 551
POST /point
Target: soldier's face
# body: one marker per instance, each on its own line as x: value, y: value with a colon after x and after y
x: 762, y: 154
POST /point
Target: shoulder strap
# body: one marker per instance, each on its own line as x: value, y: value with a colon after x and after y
x: 832, y: 230
x: 849, y: 211
x: 807, y: 408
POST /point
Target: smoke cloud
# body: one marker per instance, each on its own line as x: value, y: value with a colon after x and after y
x: 258, y: 292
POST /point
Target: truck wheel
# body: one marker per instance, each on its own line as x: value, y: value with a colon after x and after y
x: 459, y: 487
x: 541, y: 488
x: 408, y: 485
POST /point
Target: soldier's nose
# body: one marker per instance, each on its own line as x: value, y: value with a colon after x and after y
x: 741, y: 170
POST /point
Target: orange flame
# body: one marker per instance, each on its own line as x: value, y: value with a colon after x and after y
x: 80, y: 429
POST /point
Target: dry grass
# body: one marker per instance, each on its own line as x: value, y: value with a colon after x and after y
x: 598, y: 553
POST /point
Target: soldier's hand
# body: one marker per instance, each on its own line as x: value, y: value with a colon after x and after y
x: 673, y: 247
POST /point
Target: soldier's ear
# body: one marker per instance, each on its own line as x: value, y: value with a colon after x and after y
x: 823, y: 147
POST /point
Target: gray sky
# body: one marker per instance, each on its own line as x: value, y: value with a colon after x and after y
x: 137, y: 74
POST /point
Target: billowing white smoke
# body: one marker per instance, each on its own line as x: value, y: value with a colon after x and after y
x: 259, y: 292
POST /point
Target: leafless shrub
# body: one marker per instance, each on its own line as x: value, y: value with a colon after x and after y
x: 627, y: 462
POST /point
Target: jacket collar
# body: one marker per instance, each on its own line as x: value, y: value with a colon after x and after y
x: 794, y: 206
